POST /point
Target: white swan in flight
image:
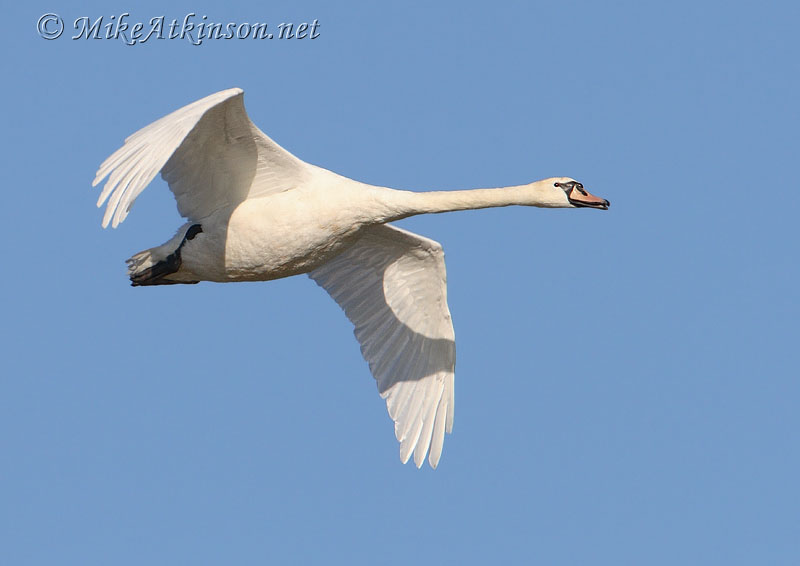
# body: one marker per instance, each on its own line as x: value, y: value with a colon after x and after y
x: 256, y: 212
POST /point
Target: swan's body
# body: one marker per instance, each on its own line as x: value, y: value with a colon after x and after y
x: 258, y: 213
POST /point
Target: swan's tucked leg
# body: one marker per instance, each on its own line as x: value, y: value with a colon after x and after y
x: 153, y: 266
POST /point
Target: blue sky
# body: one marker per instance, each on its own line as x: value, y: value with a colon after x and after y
x: 627, y: 381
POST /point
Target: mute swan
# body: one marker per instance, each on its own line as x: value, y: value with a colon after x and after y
x: 256, y: 212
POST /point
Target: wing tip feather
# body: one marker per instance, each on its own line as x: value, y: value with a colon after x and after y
x: 108, y: 166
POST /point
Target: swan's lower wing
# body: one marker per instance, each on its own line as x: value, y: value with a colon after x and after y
x: 209, y: 152
x: 393, y: 287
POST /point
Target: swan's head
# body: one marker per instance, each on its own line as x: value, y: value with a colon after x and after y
x: 569, y: 193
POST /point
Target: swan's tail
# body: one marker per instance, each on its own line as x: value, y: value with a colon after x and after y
x: 156, y: 265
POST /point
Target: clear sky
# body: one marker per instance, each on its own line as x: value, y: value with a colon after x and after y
x: 627, y: 381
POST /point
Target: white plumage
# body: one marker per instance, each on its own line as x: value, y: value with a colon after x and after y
x: 256, y: 212
x: 392, y: 286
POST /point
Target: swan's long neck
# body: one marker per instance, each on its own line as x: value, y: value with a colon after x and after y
x: 407, y: 203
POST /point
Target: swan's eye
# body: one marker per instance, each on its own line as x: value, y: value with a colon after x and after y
x: 556, y: 184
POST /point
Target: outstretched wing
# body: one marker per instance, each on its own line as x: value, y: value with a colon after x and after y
x: 209, y: 152
x: 393, y: 287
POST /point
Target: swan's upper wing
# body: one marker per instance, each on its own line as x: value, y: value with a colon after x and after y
x: 392, y: 285
x: 209, y: 152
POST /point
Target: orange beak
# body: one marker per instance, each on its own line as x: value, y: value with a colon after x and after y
x: 580, y: 197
